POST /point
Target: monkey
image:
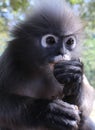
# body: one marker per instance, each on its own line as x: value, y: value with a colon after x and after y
x: 41, y: 77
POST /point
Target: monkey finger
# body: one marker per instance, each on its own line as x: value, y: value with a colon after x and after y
x: 63, y: 109
x: 67, y: 69
x: 65, y: 104
x: 62, y: 123
x: 65, y: 78
x: 71, y: 62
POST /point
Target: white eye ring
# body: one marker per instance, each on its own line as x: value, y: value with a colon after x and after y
x: 70, y: 42
x: 48, y: 40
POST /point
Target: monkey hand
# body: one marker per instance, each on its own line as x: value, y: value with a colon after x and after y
x: 60, y: 115
x: 70, y: 74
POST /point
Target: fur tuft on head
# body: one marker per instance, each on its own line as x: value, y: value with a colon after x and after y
x: 53, y: 14
x: 60, y: 11
x: 47, y: 16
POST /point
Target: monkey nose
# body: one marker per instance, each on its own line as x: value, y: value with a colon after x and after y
x: 60, y: 52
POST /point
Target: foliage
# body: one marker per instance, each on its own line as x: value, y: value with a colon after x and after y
x: 89, y: 59
x: 75, y: 1
x: 3, y: 26
x: 3, y: 39
x: 15, y: 5
x: 19, y: 4
x: 88, y: 13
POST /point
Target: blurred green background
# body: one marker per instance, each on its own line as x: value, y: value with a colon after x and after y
x: 11, y: 11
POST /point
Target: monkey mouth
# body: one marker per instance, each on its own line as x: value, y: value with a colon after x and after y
x: 57, y: 59
x: 61, y: 58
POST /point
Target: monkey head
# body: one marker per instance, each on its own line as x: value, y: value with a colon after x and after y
x: 49, y: 34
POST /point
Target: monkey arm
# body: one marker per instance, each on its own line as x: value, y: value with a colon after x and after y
x: 12, y: 110
x: 77, y: 90
x: 88, y: 97
x: 20, y: 111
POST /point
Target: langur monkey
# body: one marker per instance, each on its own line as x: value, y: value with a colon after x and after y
x: 41, y: 77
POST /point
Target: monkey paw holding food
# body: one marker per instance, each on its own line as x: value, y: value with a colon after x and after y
x: 70, y: 74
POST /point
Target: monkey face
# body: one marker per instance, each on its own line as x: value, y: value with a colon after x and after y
x: 58, y: 48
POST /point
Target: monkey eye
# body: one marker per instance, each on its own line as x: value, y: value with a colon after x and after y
x: 70, y: 42
x: 49, y: 40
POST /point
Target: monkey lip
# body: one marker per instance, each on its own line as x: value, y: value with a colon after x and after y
x: 61, y: 58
